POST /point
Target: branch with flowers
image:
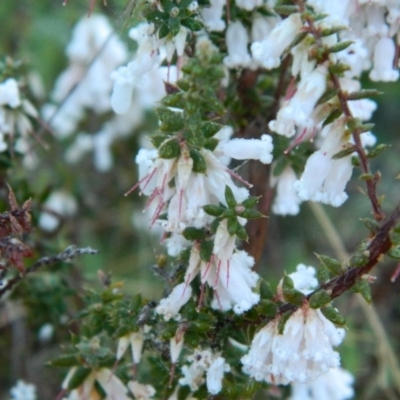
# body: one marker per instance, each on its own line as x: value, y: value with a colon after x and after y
x: 257, y: 106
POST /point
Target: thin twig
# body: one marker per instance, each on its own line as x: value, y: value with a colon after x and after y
x: 67, y: 255
x: 384, y: 348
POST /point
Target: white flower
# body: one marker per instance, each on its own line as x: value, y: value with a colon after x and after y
x: 215, y: 374
x: 110, y: 383
x: 233, y: 283
x: 9, y: 93
x: 304, y: 278
x: 212, y: 16
x: 298, y: 110
x: 336, y: 384
x: 136, y: 341
x: 286, y: 200
x: 93, y: 53
x: 248, y: 149
x: 248, y: 4
x: 171, y: 305
x: 324, y: 179
x: 262, y: 26
x: 175, y: 348
x: 140, y: 391
x: 300, y: 354
x: 62, y: 204
x: 46, y: 332
x: 269, y: 50
x: 23, y: 391
x: 126, y: 78
x: 204, y: 361
x: 237, y: 40
x: 384, y: 55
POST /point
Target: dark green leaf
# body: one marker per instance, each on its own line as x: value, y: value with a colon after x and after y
x: 169, y: 149
x: 340, y: 46
x: 78, y: 377
x: 241, y: 233
x: 213, y: 210
x: 159, y: 139
x: 206, y: 249
x: 363, y: 94
x: 232, y: 225
x: 332, y: 264
x: 229, y: 197
x: 333, y: 315
x: 199, y: 163
x: 252, y: 214
x: 377, y: 150
x: 319, y: 299
x: 191, y: 233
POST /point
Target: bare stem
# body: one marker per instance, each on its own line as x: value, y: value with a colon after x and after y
x: 68, y: 254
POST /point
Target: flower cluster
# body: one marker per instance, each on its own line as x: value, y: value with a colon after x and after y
x: 303, y: 350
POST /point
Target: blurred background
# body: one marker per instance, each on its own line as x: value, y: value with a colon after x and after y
x: 100, y: 216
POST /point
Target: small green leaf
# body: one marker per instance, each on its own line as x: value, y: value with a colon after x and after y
x: 208, y: 129
x: 199, y: 163
x: 329, y: 94
x: 280, y: 164
x: 294, y: 296
x: 298, y: 39
x: 78, y: 377
x: 66, y: 360
x: 370, y: 224
x: 333, y: 315
x: 169, y: 149
x: 183, y: 84
x: 267, y: 308
x: 290, y: 294
x: 333, y: 30
x: 363, y: 94
x: 206, y: 249
x: 338, y: 69
x: 174, y: 25
x: 340, y: 46
x: 323, y: 274
x: 193, y: 24
x: 215, y: 211
x: 191, y: 233
x: 252, y: 214
x: 159, y: 139
x: 364, y: 288
x: 286, y: 9
x: 366, y: 177
x: 335, y: 114
x: 377, y: 150
x: 241, y: 233
x: 319, y: 299
x: 331, y: 264
x: 163, y: 31
x: 174, y: 100
x: 232, y: 225
x: 250, y: 202
x: 359, y: 259
x: 172, y: 120
x: 211, y: 144
x: 265, y: 290
x: 229, y: 197
x: 350, y: 149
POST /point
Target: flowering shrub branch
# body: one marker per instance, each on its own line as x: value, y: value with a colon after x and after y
x: 252, y: 107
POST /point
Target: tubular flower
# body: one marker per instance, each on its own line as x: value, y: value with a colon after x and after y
x: 300, y: 354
